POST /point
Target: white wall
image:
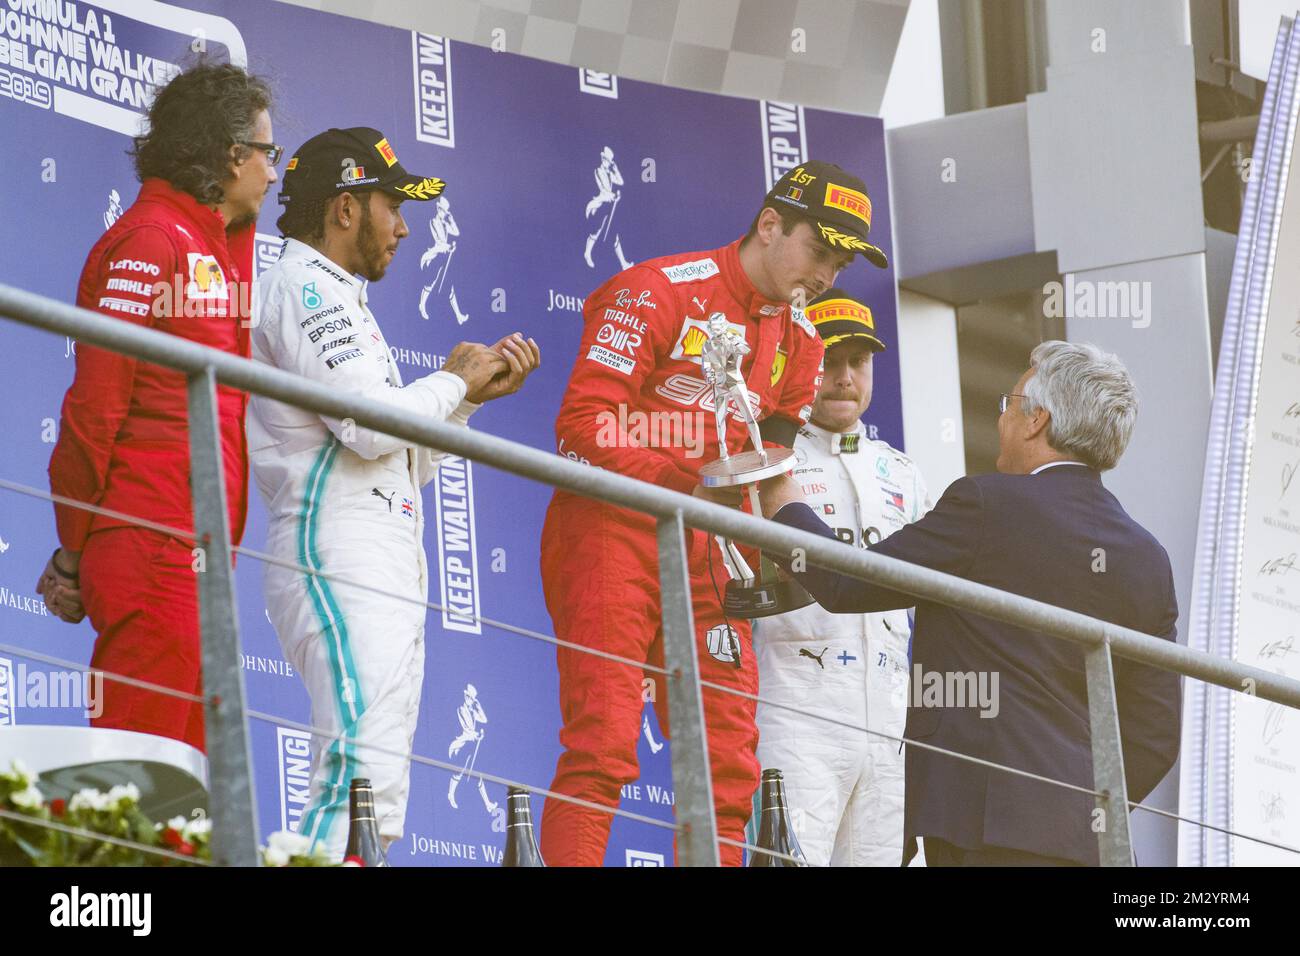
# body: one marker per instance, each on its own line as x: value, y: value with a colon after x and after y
x: 914, y: 92
x: 932, y: 420
x: 1258, y: 20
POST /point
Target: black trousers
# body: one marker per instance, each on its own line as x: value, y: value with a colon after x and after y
x: 943, y: 853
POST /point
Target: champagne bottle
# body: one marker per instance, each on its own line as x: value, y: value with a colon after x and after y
x: 775, y: 831
x: 364, y: 846
x: 521, y: 842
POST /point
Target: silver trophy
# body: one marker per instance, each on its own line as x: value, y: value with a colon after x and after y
x: 748, y: 595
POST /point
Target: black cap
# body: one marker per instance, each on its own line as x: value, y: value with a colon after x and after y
x: 349, y: 160
x: 837, y: 316
x: 835, y: 201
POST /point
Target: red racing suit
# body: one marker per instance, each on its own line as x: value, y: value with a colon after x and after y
x: 169, y: 264
x: 637, y: 403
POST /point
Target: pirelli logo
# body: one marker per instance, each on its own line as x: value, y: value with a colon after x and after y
x: 850, y: 200
x: 833, y: 309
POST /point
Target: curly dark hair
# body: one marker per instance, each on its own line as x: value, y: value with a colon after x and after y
x: 193, y: 122
x: 305, y: 220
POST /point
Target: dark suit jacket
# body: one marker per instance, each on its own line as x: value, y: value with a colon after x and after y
x: 1040, y: 536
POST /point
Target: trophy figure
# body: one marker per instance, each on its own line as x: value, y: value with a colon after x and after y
x: 748, y: 595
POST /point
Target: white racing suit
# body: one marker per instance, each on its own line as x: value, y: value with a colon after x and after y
x: 346, y: 501
x: 844, y: 787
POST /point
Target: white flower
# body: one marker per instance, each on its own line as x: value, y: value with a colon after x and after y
x: 123, y: 793
x: 88, y: 799
x: 28, y: 799
x: 193, y: 828
x: 295, y: 844
x: 177, y: 823
x: 283, y: 845
x: 274, y: 856
x: 20, y: 773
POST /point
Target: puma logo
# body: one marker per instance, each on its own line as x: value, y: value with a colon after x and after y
x: 389, y: 498
x: 804, y: 652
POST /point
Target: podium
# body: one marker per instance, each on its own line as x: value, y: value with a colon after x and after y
x: 171, y: 775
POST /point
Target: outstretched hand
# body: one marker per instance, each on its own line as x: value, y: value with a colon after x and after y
x: 522, y: 358
x: 776, y: 493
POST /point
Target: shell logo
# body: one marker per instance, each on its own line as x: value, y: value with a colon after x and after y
x: 693, y: 343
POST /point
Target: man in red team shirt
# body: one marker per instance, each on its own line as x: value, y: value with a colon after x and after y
x: 640, y: 357
x: 174, y: 262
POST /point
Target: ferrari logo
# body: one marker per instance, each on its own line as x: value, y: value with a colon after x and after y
x: 778, y: 365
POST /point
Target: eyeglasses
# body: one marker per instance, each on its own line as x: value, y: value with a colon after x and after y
x: 1005, y: 399
x: 273, y: 151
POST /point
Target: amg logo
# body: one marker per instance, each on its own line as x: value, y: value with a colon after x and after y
x: 294, y: 749
x: 785, y: 139
x: 457, y: 558
x: 431, y: 66
x: 7, y: 718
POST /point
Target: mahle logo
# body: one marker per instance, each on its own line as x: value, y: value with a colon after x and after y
x: 310, y: 299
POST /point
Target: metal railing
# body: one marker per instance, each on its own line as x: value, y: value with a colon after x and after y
x: 234, y: 824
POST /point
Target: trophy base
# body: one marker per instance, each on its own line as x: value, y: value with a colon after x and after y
x: 749, y: 599
x: 748, y: 467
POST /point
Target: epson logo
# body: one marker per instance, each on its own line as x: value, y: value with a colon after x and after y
x: 328, y: 328
x: 457, y: 556
x: 431, y: 66
x: 785, y: 139
x: 7, y: 715
x: 294, y: 750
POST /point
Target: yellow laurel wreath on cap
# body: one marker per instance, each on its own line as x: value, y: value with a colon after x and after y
x: 837, y: 238
x: 424, y: 189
